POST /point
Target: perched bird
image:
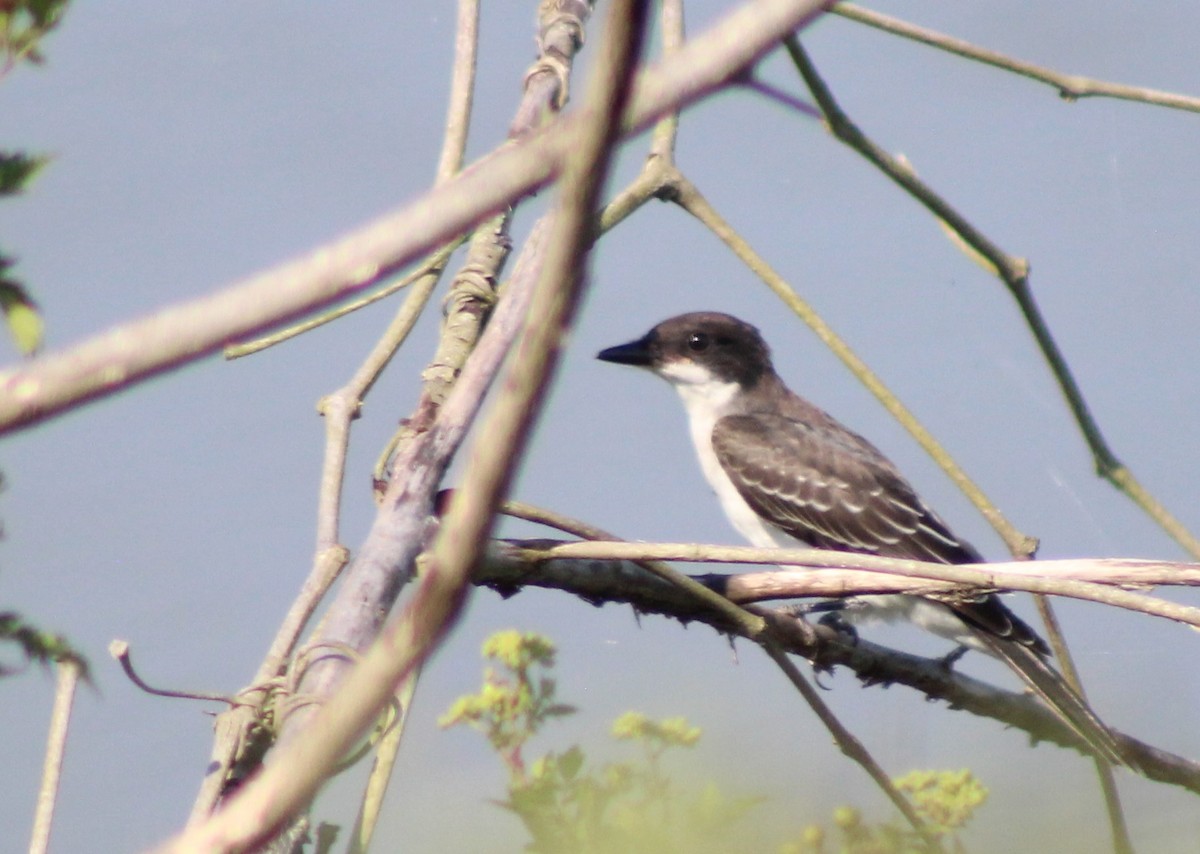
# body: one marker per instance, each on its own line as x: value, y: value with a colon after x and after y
x: 788, y: 473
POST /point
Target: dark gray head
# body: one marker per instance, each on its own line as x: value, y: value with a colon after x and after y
x: 698, y: 348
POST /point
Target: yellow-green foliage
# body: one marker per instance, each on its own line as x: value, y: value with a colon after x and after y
x: 570, y: 805
x: 945, y: 800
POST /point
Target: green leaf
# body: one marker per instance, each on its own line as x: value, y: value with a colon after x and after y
x: 17, y: 169
x: 37, y: 645
x: 46, y: 13
x: 21, y: 314
x: 570, y: 763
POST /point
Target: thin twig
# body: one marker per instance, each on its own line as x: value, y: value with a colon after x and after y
x: 1118, y: 827
x: 1014, y: 272
x: 433, y: 263
x: 671, y: 27
x: 746, y: 623
x: 69, y: 671
x: 381, y: 770
x: 850, y: 746
x: 1071, y: 87
x: 265, y: 801
x: 119, y: 650
x: 1020, y: 575
x: 117, y: 359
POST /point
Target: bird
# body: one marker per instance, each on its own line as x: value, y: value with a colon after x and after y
x: 786, y: 473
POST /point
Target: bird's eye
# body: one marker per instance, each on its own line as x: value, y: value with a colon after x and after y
x: 697, y: 342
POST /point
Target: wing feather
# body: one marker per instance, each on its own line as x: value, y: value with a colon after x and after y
x: 830, y: 488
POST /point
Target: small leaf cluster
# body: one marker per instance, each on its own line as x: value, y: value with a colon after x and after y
x: 516, y: 700
x: 568, y: 805
x: 945, y: 800
x: 35, y: 645
x: 23, y: 24
x: 17, y: 170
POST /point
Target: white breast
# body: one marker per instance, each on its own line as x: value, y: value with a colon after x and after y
x: 707, y: 400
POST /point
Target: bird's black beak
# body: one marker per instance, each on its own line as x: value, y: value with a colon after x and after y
x: 636, y: 353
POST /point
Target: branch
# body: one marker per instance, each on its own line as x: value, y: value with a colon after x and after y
x: 234, y: 727
x: 1014, y: 272
x: 1071, y: 87
x: 69, y: 671
x: 1091, y: 580
x: 117, y: 359
x: 599, y: 581
x: 281, y: 788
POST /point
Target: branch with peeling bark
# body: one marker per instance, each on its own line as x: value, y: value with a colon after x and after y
x: 507, y: 569
x: 829, y: 573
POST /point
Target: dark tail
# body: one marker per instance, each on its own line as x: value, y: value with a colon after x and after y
x: 1060, y: 697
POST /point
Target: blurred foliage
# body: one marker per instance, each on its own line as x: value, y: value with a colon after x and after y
x: 35, y: 645
x: 23, y: 25
x: 570, y: 805
x: 20, y: 311
x: 945, y: 800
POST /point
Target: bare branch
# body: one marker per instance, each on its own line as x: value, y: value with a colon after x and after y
x: 69, y: 670
x: 1014, y: 272
x: 1071, y: 87
x: 115, y: 360
x: 1091, y: 580
x: 280, y: 788
x: 849, y: 745
x: 599, y: 581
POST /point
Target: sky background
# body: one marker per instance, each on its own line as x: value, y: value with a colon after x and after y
x: 198, y: 143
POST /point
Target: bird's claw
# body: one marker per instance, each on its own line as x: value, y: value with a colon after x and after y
x: 836, y: 621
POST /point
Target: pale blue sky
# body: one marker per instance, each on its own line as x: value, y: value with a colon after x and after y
x: 197, y: 143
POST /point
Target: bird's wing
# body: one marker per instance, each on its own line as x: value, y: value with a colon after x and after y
x: 826, y: 486
x: 830, y: 488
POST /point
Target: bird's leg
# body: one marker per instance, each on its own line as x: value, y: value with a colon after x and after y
x: 837, y: 621
x: 832, y: 616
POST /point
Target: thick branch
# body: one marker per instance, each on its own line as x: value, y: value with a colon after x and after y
x: 1092, y: 580
x: 300, y: 764
x: 116, y: 359
x: 601, y: 581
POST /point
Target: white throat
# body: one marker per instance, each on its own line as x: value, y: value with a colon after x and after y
x: 707, y: 400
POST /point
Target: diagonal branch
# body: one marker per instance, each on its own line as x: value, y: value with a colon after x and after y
x: 831, y: 573
x: 1014, y: 272
x: 117, y: 359
x: 1071, y: 87
x: 300, y: 764
x: 599, y: 581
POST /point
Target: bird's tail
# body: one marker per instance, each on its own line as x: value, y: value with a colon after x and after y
x: 1066, y: 703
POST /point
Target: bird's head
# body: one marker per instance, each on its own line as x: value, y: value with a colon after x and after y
x: 700, y: 349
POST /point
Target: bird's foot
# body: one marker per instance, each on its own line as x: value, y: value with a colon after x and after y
x: 836, y: 620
